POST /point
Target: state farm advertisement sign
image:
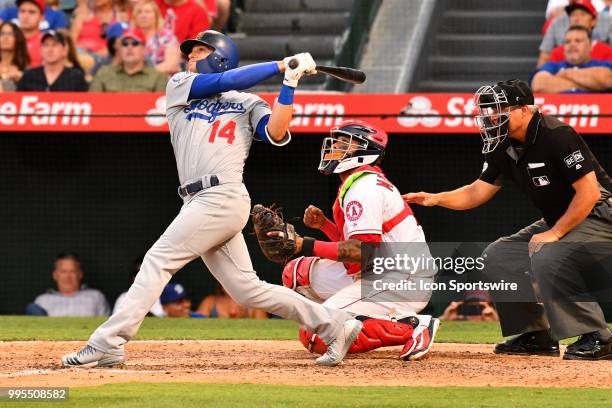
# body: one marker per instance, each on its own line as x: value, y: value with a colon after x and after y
x: 313, y: 113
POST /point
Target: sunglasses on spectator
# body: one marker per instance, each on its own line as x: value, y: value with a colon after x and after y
x: 130, y: 41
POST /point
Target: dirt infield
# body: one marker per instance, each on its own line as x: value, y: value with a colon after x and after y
x: 35, y: 363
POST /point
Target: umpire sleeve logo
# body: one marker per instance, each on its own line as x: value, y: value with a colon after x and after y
x: 573, y: 158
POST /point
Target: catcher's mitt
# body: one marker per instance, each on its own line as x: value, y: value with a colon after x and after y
x: 280, y: 247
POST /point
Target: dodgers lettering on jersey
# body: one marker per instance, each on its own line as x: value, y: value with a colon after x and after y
x: 211, y: 135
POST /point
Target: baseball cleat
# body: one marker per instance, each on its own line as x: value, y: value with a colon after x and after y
x: 538, y: 343
x: 589, y: 347
x: 90, y: 357
x: 338, y: 348
x: 418, y: 346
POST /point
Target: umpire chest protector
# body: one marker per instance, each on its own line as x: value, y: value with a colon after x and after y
x: 546, y: 165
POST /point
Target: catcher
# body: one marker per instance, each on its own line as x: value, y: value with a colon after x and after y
x: 368, y: 208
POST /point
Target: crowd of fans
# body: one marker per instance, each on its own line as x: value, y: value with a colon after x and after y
x: 100, y: 45
x: 71, y: 297
x: 576, y: 52
x: 133, y: 45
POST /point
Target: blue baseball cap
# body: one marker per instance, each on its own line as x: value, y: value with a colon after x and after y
x: 173, y: 292
x: 116, y: 30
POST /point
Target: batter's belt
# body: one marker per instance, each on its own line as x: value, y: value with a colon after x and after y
x: 207, y: 181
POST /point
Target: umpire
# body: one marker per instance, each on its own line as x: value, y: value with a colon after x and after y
x: 554, y: 167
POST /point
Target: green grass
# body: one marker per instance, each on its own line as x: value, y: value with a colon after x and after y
x: 252, y: 395
x: 79, y: 328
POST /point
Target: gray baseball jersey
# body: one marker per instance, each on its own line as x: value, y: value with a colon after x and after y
x: 212, y: 135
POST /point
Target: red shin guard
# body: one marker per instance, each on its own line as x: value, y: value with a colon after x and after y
x: 376, y: 333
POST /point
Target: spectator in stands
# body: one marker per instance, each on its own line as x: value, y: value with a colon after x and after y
x: 555, y: 8
x: 113, y: 42
x: 156, y: 309
x: 90, y: 23
x: 71, y: 298
x: 185, y: 18
x: 221, y: 305
x: 599, y: 51
x: 578, y: 12
x: 219, y: 12
x: 72, y: 58
x: 55, y: 74
x: 133, y: 74
x: 52, y: 19
x: 162, y: 48
x: 13, y: 56
x: 578, y: 73
x: 30, y: 16
x: 175, y: 302
x: 477, y: 306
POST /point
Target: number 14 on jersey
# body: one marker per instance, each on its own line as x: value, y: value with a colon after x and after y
x: 226, y: 132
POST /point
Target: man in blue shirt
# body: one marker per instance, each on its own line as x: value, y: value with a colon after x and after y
x: 54, y: 19
x: 578, y: 73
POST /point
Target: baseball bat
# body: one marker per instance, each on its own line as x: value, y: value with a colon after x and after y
x: 353, y: 76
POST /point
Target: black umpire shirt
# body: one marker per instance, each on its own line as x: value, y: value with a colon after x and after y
x: 546, y: 165
x: 70, y: 80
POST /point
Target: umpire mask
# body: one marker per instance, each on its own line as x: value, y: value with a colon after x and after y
x: 494, y: 104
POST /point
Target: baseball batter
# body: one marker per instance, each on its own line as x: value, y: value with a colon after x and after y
x: 368, y: 208
x: 212, y: 126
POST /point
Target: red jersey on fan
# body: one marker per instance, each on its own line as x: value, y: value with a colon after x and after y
x: 599, y: 51
x: 33, y: 44
x: 184, y: 17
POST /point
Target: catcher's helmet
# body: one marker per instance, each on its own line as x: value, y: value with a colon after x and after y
x: 493, y: 116
x: 224, y: 57
x: 335, y: 154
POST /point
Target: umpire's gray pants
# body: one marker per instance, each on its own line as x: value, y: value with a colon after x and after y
x: 556, y: 283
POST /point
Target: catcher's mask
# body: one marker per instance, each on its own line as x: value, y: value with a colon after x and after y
x: 494, y: 103
x: 361, y: 144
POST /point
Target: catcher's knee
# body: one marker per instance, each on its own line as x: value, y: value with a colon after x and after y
x: 297, y: 272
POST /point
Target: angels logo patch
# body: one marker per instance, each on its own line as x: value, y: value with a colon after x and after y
x: 353, y: 210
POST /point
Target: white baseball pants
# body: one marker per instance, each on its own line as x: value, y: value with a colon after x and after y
x: 330, y: 283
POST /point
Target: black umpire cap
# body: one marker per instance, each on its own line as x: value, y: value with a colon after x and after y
x: 517, y: 92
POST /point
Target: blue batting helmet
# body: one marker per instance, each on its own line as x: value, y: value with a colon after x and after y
x: 224, y: 57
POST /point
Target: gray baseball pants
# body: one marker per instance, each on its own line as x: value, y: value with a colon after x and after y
x: 556, y: 283
x: 209, y: 226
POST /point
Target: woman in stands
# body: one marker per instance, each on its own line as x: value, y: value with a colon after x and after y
x: 72, y: 57
x: 13, y: 56
x: 91, y: 18
x: 162, y: 48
